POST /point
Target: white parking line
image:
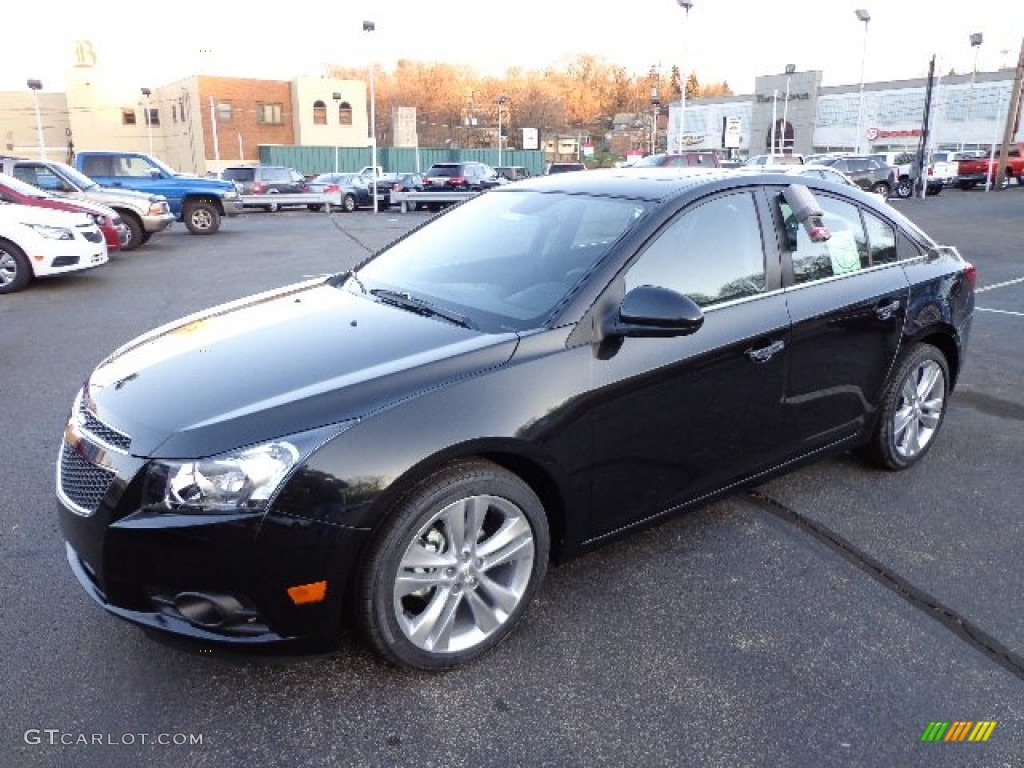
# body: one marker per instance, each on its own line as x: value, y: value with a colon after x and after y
x: 1000, y: 311
x: 999, y: 285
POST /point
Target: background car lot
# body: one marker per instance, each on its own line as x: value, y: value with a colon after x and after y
x: 729, y: 636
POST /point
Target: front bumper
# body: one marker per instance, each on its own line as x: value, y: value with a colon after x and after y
x: 157, y: 223
x: 233, y: 206
x: 223, y: 577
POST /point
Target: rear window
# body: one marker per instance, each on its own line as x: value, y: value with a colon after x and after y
x: 444, y: 170
x: 238, y: 174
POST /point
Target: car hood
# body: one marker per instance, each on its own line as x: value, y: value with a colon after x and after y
x: 16, y: 213
x: 109, y: 196
x: 278, y: 363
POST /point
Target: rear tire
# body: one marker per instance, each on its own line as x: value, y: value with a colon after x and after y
x: 912, y: 409
x: 455, y: 567
x: 881, y: 188
x: 348, y: 203
x: 15, y: 270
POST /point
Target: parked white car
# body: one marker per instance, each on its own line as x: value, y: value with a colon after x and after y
x: 38, y: 242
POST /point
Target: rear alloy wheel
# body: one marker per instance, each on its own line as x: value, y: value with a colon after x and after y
x: 202, y: 217
x: 272, y: 207
x: 913, y: 407
x: 15, y: 271
x: 348, y: 203
x: 452, y: 572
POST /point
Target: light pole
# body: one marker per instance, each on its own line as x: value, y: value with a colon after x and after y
x: 149, y: 120
x: 790, y: 69
x: 369, y: 26
x: 337, y: 110
x: 502, y: 101
x: 686, y: 5
x: 655, y: 106
x: 775, y: 122
x: 36, y: 86
x: 976, y: 39
x: 862, y: 15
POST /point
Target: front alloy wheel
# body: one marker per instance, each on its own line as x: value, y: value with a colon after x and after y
x: 454, y: 570
x: 913, y: 408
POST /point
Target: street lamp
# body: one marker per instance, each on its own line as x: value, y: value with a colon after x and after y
x: 149, y: 120
x: 369, y: 26
x: 36, y: 86
x: 976, y: 40
x: 655, y: 106
x: 502, y: 101
x: 337, y: 110
x: 686, y: 5
x: 790, y: 69
x: 864, y: 16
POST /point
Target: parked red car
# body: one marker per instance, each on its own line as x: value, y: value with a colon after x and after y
x: 115, y: 232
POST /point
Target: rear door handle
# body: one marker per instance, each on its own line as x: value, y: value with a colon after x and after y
x: 766, y: 353
x: 886, y: 311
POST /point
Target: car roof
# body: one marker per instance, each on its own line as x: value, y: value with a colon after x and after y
x: 655, y: 183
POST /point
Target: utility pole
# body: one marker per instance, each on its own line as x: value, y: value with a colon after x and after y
x: 1011, y: 119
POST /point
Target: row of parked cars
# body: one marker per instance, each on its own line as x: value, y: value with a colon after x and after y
x: 54, y: 219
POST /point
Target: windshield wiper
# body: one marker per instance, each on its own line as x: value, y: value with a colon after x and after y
x: 407, y: 301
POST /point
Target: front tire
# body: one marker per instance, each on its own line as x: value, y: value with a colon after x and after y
x: 202, y: 217
x: 136, y: 235
x: 881, y: 188
x: 913, y: 408
x: 15, y: 270
x: 904, y: 189
x: 453, y: 570
x: 348, y: 203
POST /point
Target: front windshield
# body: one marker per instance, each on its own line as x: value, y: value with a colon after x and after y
x: 506, y: 259
x: 80, y: 180
x: 165, y: 168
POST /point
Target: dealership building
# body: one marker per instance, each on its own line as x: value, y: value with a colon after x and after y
x: 967, y: 112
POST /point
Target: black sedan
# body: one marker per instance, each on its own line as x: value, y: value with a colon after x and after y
x: 398, y: 182
x: 407, y: 446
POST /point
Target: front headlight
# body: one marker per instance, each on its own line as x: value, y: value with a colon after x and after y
x: 52, y: 233
x: 240, y: 481
x: 231, y: 194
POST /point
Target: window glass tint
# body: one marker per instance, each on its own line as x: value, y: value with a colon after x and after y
x: 846, y: 251
x: 882, y: 240
x: 712, y: 253
x: 238, y: 174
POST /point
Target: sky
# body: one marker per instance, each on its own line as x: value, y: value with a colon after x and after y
x: 151, y: 44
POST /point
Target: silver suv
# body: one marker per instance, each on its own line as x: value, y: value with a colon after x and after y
x: 265, y: 180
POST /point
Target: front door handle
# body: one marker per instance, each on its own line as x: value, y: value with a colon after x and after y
x: 886, y: 311
x: 766, y: 353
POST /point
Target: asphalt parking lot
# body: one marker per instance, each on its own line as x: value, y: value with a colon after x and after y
x: 823, y: 618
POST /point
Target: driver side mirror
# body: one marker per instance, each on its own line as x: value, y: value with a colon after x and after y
x: 650, y: 311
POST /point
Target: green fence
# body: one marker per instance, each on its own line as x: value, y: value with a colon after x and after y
x: 313, y: 160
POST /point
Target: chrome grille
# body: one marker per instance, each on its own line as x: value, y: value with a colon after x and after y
x: 97, y: 428
x: 82, y: 483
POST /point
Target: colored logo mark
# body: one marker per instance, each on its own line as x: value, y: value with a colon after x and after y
x: 958, y: 730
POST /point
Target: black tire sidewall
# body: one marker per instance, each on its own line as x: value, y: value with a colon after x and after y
x: 882, y: 449
x: 375, y: 608
x: 135, y: 236
x: 24, y: 275
x: 214, y: 214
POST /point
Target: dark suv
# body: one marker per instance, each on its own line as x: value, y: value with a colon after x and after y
x: 265, y: 180
x: 460, y: 177
x: 866, y: 172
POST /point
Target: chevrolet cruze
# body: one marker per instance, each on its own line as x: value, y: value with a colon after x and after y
x: 406, y: 447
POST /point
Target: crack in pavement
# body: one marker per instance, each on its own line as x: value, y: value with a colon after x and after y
x: 957, y: 623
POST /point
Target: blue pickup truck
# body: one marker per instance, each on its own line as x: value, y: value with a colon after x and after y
x: 199, y: 202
